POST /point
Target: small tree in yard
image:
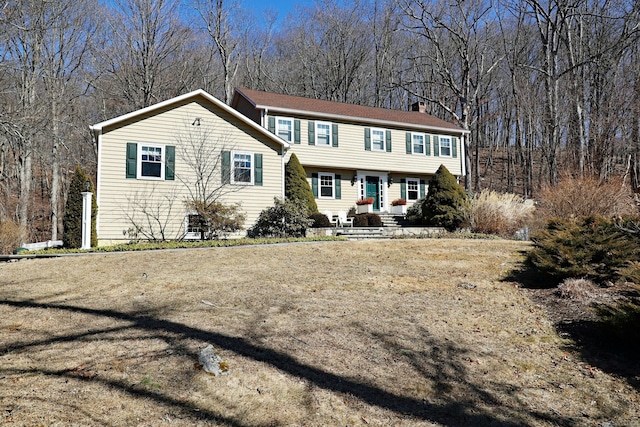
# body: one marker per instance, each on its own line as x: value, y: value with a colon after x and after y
x: 72, y: 221
x: 296, y: 186
x: 285, y: 219
x: 446, y: 204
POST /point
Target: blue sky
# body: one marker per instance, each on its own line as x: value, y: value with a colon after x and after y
x: 281, y: 6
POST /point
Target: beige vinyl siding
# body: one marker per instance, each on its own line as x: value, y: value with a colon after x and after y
x: 117, y: 194
x: 350, y: 153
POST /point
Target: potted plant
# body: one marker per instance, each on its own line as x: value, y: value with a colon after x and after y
x: 364, y: 205
x: 399, y: 207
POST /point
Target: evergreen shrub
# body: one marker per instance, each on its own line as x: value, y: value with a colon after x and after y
x: 592, y: 248
x: 72, y: 221
x: 446, y: 204
x: 296, y: 186
x: 285, y: 219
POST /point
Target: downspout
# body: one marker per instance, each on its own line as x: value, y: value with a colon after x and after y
x: 463, y: 155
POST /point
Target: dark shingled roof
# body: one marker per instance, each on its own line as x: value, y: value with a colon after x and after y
x: 315, y: 107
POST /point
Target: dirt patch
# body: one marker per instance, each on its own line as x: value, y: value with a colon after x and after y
x: 402, y: 333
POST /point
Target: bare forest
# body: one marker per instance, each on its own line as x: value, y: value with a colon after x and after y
x: 546, y: 87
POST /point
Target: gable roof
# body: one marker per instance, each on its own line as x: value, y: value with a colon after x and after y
x: 97, y: 128
x: 297, y: 105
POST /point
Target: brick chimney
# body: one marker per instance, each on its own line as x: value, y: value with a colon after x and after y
x: 419, y: 106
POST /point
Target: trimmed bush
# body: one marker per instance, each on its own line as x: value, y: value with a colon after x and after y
x: 296, y: 186
x: 320, y: 220
x: 285, y: 219
x: 446, y: 204
x: 499, y: 213
x: 72, y: 221
x: 414, y: 212
x: 367, y: 220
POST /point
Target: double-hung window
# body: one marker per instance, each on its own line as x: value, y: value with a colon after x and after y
x: 284, y: 129
x: 413, y: 189
x: 326, y: 185
x: 151, y: 162
x: 378, y: 139
x: 417, y: 143
x: 323, y: 133
x: 445, y: 146
x: 242, y: 170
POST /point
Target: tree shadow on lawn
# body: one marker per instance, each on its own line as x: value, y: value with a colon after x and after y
x: 444, y: 358
x: 607, y: 336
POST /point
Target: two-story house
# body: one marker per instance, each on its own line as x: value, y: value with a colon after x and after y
x: 351, y: 152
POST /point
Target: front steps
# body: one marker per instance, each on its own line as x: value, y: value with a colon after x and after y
x: 392, y: 225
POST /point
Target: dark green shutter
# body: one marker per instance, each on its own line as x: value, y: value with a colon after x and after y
x: 296, y: 131
x: 334, y: 134
x: 314, y: 184
x: 257, y: 169
x: 132, y: 159
x: 454, y: 147
x: 436, y: 146
x: 312, y: 133
x: 427, y: 145
x: 408, y: 141
x: 226, y: 167
x: 338, y: 186
x: 170, y: 163
x: 403, y: 188
x: 388, y: 137
x: 367, y: 139
x: 272, y: 124
x: 422, y: 184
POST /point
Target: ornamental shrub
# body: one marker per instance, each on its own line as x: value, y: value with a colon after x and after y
x: 296, y: 186
x: 499, y: 213
x: 367, y: 220
x: 72, y: 221
x: 285, y: 219
x: 216, y: 219
x: 446, y: 204
x: 320, y: 220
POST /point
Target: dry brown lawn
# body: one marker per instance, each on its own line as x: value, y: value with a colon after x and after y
x: 381, y: 333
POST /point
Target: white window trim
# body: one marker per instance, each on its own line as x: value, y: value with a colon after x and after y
x: 290, y: 120
x: 448, y: 138
x: 333, y: 185
x: 424, y: 139
x: 232, y: 166
x: 407, y: 189
x: 316, y: 133
x: 384, y: 139
x: 163, y: 153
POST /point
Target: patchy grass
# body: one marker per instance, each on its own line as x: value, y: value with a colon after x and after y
x: 401, y: 332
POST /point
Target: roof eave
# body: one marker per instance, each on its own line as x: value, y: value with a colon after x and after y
x: 291, y: 111
x: 98, y: 127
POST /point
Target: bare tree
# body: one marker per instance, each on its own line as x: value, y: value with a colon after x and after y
x: 458, y: 54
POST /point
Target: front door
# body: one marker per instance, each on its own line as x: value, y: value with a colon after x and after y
x: 373, y: 190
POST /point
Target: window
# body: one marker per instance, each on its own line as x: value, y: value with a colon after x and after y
x: 377, y: 139
x: 417, y: 143
x: 413, y: 190
x: 284, y: 129
x: 195, y: 226
x: 445, y: 146
x: 151, y: 162
x: 323, y: 133
x: 326, y: 184
x: 242, y: 172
